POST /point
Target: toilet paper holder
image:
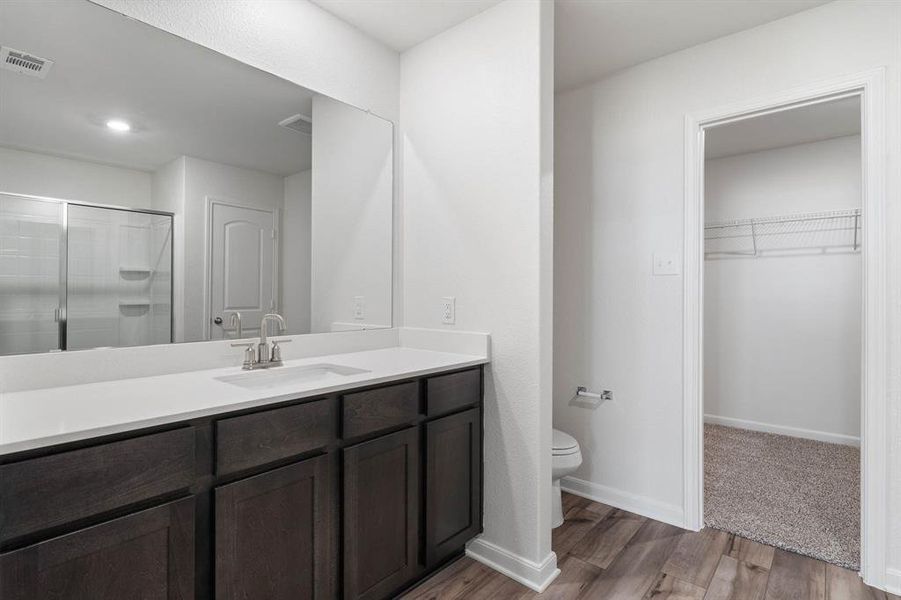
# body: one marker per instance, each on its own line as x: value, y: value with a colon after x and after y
x: 602, y: 396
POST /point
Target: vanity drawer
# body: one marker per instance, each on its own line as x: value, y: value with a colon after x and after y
x: 61, y: 488
x: 446, y: 393
x: 263, y: 437
x: 379, y: 409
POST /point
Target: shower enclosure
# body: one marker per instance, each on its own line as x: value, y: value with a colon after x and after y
x: 75, y: 275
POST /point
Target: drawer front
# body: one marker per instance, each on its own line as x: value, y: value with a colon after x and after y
x: 446, y: 393
x: 263, y: 437
x: 61, y: 488
x: 376, y: 410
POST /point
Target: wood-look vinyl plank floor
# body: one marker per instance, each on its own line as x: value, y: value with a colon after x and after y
x: 737, y: 580
x: 610, y: 554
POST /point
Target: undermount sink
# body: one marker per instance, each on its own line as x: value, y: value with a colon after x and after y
x: 279, y: 376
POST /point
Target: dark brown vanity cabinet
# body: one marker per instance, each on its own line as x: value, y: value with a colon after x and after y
x: 381, y: 514
x: 145, y: 555
x: 453, y: 483
x: 356, y: 495
x: 272, y: 534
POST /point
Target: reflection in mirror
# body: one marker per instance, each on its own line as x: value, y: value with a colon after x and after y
x: 152, y: 190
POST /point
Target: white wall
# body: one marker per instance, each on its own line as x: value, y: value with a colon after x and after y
x: 205, y: 180
x: 44, y: 175
x: 472, y: 106
x: 294, y: 39
x: 295, y: 250
x: 782, y: 331
x: 819, y: 176
x: 619, y: 199
x: 351, y: 217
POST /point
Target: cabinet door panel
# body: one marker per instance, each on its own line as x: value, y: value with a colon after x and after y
x: 453, y: 484
x: 381, y: 514
x: 272, y: 534
x: 147, y: 555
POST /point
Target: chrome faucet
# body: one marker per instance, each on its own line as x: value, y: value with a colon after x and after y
x: 263, y: 352
x: 234, y: 321
x: 261, y: 356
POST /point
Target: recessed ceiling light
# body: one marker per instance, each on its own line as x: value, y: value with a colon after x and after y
x: 118, y: 125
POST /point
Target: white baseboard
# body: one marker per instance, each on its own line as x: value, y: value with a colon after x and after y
x: 535, y: 576
x: 893, y: 581
x: 641, y: 505
x: 810, y: 434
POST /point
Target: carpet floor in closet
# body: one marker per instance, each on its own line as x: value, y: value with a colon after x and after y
x: 792, y: 493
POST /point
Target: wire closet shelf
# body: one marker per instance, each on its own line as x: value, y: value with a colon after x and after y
x: 804, y: 233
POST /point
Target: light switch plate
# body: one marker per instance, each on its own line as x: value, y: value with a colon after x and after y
x: 666, y: 264
x: 359, y: 308
x: 448, y: 310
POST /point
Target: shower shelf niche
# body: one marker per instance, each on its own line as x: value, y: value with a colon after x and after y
x: 802, y: 233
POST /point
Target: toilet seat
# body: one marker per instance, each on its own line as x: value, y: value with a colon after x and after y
x: 564, y: 444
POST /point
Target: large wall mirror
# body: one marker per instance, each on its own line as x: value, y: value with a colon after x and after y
x: 152, y: 190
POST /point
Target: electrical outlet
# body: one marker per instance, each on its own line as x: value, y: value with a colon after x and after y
x: 666, y: 264
x: 448, y: 310
x: 359, y: 308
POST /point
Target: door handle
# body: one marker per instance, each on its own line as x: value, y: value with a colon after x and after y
x: 218, y: 320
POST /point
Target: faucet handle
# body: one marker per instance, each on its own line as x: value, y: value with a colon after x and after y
x: 276, y: 351
x: 250, y: 355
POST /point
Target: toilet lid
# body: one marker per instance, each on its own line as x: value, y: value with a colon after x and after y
x: 563, y: 443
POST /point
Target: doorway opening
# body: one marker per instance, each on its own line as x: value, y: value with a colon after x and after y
x: 867, y: 222
x: 782, y: 329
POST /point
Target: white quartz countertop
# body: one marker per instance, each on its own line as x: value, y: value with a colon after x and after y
x: 45, y: 417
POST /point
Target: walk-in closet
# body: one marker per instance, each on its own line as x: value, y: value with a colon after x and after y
x: 782, y: 329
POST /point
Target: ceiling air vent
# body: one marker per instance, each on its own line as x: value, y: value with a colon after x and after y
x: 300, y: 123
x: 24, y: 63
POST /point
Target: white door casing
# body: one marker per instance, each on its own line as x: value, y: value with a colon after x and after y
x: 241, y: 266
x: 870, y: 86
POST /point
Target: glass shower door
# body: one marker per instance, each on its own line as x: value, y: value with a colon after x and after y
x: 119, y: 278
x: 31, y: 254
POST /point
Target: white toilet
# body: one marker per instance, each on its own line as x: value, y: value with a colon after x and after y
x: 566, y: 458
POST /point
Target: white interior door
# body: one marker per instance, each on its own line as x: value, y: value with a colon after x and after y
x: 242, y: 268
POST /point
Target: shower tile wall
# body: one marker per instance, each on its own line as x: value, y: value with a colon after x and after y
x: 29, y: 275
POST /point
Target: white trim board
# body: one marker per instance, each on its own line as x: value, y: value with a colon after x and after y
x: 798, y: 432
x: 893, y: 581
x: 640, y: 505
x: 535, y: 576
x: 870, y: 86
